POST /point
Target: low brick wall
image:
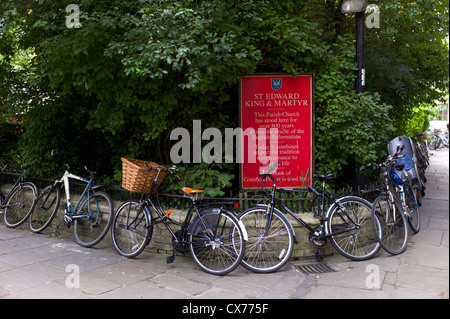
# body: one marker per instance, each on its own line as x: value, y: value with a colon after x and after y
x: 162, y: 241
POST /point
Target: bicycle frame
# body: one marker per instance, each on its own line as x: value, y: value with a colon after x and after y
x: 396, y: 192
x: 392, y: 193
x: 399, y: 195
x: 89, y: 187
x: 17, y: 184
x: 277, y: 202
x: 165, y: 218
x: 3, y: 198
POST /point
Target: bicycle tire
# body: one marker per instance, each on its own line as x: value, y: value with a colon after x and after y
x: 91, y: 230
x: 349, y: 227
x: 19, y: 205
x: 46, y: 208
x: 216, y: 241
x: 412, y: 203
x: 131, y: 229
x: 393, y: 234
x: 269, y: 254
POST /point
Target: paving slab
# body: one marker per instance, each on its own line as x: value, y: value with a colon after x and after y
x: 40, y: 266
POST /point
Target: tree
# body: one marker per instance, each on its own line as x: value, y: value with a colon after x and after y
x: 135, y: 70
x: 407, y: 57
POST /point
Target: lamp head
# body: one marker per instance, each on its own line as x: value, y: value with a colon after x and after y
x: 351, y: 6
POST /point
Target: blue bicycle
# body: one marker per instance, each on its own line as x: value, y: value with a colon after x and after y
x: 91, y: 216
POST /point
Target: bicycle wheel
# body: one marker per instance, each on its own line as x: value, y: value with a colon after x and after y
x: 99, y: 210
x: 412, y: 199
x: 269, y: 253
x: 20, y: 205
x: 216, y: 241
x: 46, y: 208
x: 391, y: 231
x: 131, y: 229
x: 349, y: 227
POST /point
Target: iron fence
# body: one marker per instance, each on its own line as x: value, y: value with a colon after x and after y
x: 300, y: 201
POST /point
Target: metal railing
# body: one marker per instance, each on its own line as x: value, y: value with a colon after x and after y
x: 300, y: 201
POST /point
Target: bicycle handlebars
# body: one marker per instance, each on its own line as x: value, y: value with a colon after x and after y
x: 390, y: 159
x: 69, y: 165
x: 173, y: 170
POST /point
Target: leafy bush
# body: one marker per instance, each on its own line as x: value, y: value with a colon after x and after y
x: 135, y: 70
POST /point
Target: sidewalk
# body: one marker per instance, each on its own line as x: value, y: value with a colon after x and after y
x: 39, y: 266
x: 421, y: 272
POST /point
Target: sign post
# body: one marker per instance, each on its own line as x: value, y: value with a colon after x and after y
x: 282, y: 103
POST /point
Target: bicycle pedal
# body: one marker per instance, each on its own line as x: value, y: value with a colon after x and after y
x: 170, y: 259
x: 67, y: 221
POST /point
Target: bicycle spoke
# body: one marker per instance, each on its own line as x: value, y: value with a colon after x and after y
x: 218, y: 248
x: 266, y: 252
x: 96, y: 219
x: 350, y: 228
x: 130, y: 232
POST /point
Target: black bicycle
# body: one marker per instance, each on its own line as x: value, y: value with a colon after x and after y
x: 214, y: 236
x: 346, y: 224
x: 18, y: 205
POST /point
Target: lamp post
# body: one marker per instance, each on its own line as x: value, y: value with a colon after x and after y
x: 358, y: 7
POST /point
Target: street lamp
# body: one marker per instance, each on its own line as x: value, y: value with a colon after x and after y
x: 358, y: 7
x: 352, y: 6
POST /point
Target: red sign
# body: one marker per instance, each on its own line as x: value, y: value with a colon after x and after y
x: 284, y: 104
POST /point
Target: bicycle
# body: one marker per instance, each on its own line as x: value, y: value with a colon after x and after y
x: 413, y: 171
x: 440, y: 140
x: 396, y: 206
x: 215, y: 238
x: 424, y: 147
x: 18, y: 205
x: 346, y: 224
x: 422, y: 157
x: 91, y: 216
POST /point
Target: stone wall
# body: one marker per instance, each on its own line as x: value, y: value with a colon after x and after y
x: 162, y: 241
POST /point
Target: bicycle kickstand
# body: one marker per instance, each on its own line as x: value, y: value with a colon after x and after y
x: 319, y: 254
x: 170, y: 259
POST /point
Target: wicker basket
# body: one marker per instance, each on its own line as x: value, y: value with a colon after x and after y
x: 137, y: 178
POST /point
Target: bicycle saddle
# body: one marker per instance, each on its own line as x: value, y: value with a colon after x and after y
x: 189, y: 191
x: 93, y: 173
x: 327, y: 177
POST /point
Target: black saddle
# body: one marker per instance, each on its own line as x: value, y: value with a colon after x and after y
x: 327, y: 177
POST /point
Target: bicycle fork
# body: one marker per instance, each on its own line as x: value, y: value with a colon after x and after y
x: 392, y: 220
x: 269, y: 214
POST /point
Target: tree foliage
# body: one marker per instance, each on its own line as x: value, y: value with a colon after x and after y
x: 135, y: 70
x: 407, y: 57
